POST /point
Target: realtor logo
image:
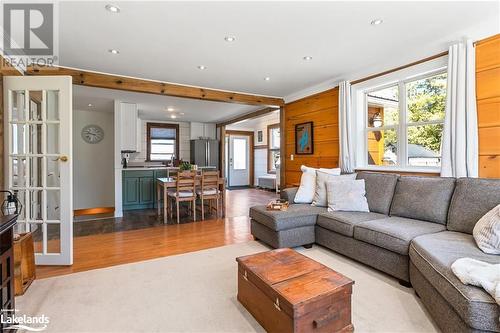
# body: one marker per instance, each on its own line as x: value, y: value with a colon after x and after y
x: 28, y: 29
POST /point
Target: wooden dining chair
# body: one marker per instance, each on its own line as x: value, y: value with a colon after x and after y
x: 185, y: 191
x: 209, y: 190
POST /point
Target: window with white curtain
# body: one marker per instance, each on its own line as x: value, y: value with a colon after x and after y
x: 402, y: 120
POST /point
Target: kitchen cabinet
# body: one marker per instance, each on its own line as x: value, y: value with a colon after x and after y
x: 204, y: 130
x: 128, y: 126
x: 139, y: 188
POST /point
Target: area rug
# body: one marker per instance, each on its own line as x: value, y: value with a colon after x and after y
x: 196, y: 292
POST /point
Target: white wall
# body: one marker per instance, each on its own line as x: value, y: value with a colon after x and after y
x: 184, y: 137
x: 93, y: 165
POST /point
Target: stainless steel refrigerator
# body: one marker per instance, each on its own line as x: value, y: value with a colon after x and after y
x: 205, y: 153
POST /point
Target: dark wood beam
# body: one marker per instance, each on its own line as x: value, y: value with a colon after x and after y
x: 108, y: 81
x: 251, y: 115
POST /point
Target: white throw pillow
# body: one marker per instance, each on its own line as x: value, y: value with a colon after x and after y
x: 320, y: 195
x: 486, y: 232
x: 307, y: 187
x: 347, y: 195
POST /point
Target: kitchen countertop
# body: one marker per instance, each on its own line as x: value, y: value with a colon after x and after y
x: 149, y: 168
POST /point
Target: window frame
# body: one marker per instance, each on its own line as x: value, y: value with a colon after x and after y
x: 360, y: 117
x: 269, y: 149
x: 149, y: 126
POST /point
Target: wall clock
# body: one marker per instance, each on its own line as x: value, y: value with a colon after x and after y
x: 92, y: 134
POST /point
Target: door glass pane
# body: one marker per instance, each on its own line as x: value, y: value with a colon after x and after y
x: 53, y: 238
x: 35, y: 106
x: 35, y: 138
x: 18, y: 171
x: 52, y: 105
x: 18, y: 110
x: 53, y: 172
x: 239, y: 154
x: 426, y: 98
x: 37, y: 234
x: 18, y: 139
x: 36, y: 171
x: 53, y: 205
x: 382, y: 147
x: 35, y: 205
x: 52, y: 138
x: 424, y: 145
x: 383, y: 107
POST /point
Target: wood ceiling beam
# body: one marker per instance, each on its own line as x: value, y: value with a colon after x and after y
x: 108, y: 81
x: 6, y: 69
x: 252, y: 115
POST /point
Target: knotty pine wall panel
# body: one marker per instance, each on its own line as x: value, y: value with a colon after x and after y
x: 488, y: 105
x: 322, y: 110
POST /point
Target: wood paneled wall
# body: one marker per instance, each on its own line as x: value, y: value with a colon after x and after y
x: 488, y: 105
x: 322, y: 110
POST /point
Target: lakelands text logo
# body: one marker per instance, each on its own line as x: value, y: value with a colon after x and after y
x: 29, y: 34
x: 10, y: 321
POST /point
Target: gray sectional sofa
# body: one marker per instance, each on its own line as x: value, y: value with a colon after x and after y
x: 416, y: 228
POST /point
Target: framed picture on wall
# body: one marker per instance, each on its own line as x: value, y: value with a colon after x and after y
x: 260, y: 136
x: 304, y: 144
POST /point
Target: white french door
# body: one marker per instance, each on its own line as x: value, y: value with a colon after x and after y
x: 38, y: 144
x: 239, y: 161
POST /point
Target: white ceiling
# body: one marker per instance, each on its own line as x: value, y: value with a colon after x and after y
x: 167, y: 41
x: 254, y: 123
x: 154, y: 107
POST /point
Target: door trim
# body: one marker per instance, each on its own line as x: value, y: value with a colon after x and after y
x: 251, y: 152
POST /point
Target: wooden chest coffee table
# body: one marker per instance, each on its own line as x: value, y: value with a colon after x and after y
x: 289, y: 292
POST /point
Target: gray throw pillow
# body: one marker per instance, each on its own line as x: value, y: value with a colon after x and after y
x: 320, y: 195
x: 347, y: 195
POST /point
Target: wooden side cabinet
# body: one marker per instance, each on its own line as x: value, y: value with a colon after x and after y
x: 7, y: 264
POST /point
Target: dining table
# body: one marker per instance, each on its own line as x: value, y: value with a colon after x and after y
x: 163, y: 184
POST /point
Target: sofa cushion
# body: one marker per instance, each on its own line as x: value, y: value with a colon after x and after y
x: 423, y: 198
x: 298, y: 215
x: 433, y: 255
x: 379, y: 190
x: 472, y: 199
x: 288, y: 194
x: 394, y: 233
x: 344, y: 222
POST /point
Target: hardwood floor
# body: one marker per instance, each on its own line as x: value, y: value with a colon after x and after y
x: 110, y: 242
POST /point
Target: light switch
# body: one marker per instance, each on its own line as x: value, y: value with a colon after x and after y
x: 291, y: 157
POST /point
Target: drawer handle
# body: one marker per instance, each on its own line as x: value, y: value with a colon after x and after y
x: 325, y: 320
x: 245, y: 275
x: 277, y: 304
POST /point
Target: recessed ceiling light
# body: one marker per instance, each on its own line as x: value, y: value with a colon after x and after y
x: 267, y: 78
x: 173, y: 116
x: 182, y: 113
x: 201, y: 67
x: 112, y: 8
x: 170, y: 109
x: 307, y: 58
x: 90, y: 105
x: 113, y: 51
x: 376, y: 22
x: 229, y: 38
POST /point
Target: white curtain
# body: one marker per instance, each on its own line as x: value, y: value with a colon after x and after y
x: 460, y: 136
x: 346, y: 159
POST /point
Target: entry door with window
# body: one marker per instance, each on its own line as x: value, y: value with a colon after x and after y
x: 239, y: 161
x: 38, y: 166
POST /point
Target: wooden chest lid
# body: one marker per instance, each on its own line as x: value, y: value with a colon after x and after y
x: 293, y: 276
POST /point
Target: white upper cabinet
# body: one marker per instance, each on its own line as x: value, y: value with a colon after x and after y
x: 129, y: 119
x: 204, y: 130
